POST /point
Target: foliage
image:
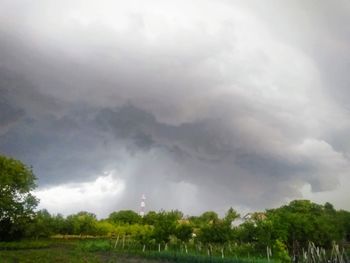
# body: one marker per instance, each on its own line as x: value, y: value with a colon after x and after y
x: 41, y: 226
x: 302, y: 221
x: 183, y: 232
x: 150, y: 218
x: 82, y: 223
x: 169, y: 256
x: 105, y: 228
x: 217, y: 232
x: 281, y: 252
x: 287, y: 231
x: 59, y: 225
x: 124, y: 217
x: 17, y: 204
x: 204, y: 219
x: 231, y: 215
x: 144, y: 235
x: 176, y: 214
x: 165, y: 226
x: 208, y: 217
x: 101, y: 251
x: 95, y: 245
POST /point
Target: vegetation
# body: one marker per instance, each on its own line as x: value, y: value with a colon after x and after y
x: 17, y: 204
x: 300, y: 231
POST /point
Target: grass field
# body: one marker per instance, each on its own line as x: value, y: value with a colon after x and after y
x: 64, y: 255
x: 94, y: 251
x: 66, y: 252
x: 102, y: 250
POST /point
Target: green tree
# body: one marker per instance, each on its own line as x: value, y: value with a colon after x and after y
x: 247, y: 232
x: 231, y: 215
x: 264, y: 229
x: 41, y: 226
x: 144, y: 235
x: 343, y: 219
x: 124, y: 217
x: 104, y: 227
x: 209, y: 216
x: 184, y: 232
x: 82, y: 223
x: 218, y: 232
x: 17, y: 203
x: 150, y: 218
x: 280, y: 252
x: 302, y: 221
x: 59, y: 224
x: 204, y: 219
x: 165, y: 226
x: 177, y: 214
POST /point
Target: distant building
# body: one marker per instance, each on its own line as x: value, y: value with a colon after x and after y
x: 237, y: 222
x: 252, y: 217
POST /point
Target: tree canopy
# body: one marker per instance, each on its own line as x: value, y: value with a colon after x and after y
x: 124, y: 217
x: 17, y: 203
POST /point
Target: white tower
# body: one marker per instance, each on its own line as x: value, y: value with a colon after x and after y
x: 142, y: 205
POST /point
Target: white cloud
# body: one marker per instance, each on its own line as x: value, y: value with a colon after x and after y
x: 339, y: 196
x: 98, y: 196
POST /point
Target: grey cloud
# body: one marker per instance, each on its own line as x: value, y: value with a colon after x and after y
x: 9, y: 115
x: 224, y: 102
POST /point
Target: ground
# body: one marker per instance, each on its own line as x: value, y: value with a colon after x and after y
x: 65, y: 253
x: 61, y: 255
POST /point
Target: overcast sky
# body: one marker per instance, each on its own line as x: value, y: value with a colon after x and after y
x: 200, y: 105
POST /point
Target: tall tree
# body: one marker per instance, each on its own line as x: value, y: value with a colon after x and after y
x: 17, y: 203
x: 124, y: 217
x: 165, y: 226
x: 231, y: 215
x: 218, y: 232
x: 82, y: 223
x: 42, y: 225
x: 184, y: 232
x: 150, y: 218
x: 302, y: 221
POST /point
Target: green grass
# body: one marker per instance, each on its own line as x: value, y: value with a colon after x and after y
x: 171, y: 255
x: 44, y: 251
x: 55, y: 254
x: 101, y: 251
x: 197, y: 258
x: 66, y: 253
x: 94, y: 246
x: 24, y: 245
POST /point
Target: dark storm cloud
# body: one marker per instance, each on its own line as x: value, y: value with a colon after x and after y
x: 219, y: 100
x: 9, y: 114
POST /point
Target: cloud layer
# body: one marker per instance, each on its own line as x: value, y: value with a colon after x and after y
x: 200, y: 105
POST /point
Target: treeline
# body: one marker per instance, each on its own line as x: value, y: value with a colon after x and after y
x: 283, y: 231
x: 286, y: 230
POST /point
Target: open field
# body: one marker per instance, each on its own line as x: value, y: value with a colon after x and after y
x: 61, y: 252
x: 94, y: 251
x: 104, y: 250
x: 66, y: 255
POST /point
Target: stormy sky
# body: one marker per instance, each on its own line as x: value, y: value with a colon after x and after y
x: 200, y: 105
